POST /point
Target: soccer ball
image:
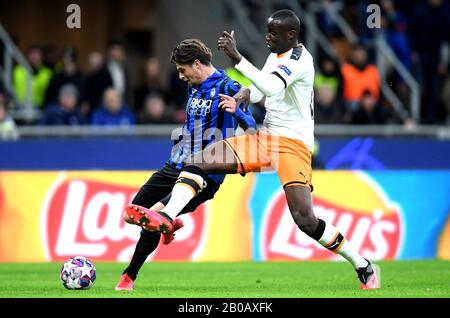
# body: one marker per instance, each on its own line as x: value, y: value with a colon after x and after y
x: 78, y: 273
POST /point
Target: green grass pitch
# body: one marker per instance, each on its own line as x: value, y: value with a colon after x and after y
x: 400, y: 279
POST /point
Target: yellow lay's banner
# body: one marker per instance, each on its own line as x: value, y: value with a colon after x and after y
x: 54, y: 215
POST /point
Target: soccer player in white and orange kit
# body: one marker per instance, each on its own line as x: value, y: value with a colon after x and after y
x: 284, y: 143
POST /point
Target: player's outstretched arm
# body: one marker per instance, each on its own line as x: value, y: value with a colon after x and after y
x: 268, y: 84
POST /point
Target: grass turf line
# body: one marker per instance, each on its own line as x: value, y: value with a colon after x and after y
x: 400, y: 279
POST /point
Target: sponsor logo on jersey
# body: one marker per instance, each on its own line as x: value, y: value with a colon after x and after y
x: 285, y: 69
x: 199, y: 106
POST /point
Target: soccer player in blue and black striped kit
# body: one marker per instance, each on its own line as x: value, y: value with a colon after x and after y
x: 206, y: 122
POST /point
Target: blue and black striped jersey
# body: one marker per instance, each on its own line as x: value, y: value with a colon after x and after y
x: 205, y: 121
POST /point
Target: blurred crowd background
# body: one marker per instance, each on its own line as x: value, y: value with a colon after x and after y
x: 115, y: 70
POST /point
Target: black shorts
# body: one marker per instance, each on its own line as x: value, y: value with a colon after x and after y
x: 159, y: 187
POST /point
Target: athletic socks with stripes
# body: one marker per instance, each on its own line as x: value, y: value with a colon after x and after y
x: 329, y: 237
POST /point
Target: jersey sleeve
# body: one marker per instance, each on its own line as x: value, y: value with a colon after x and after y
x: 268, y: 83
x: 232, y: 87
x: 244, y: 118
x: 289, y: 70
x: 255, y: 94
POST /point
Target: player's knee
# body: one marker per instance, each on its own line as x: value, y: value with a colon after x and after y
x: 305, y: 220
x: 193, y: 177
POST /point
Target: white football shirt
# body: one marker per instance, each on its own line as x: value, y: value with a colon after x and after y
x: 289, y: 112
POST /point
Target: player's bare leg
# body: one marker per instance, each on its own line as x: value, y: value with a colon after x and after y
x: 300, y: 204
x: 216, y: 158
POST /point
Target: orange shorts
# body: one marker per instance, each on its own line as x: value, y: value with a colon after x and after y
x: 261, y: 152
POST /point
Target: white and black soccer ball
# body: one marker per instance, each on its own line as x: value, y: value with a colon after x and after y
x: 78, y: 272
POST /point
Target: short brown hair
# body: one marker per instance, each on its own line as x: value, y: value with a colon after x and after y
x: 189, y: 50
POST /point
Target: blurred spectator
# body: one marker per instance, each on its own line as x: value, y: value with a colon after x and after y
x: 95, y: 62
x: 329, y: 75
x: 326, y: 108
x: 325, y: 21
x: 8, y: 128
x: 69, y: 73
x: 177, y: 96
x: 150, y: 84
x: 41, y: 76
x: 358, y: 76
x: 328, y: 93
x: 395, y: 25
x: 445, y: 96
x: 356, y: 11
x: 255, y: 11
x: 64, y: 112
x: 111, y: 74
x: 429, y: 33
x: 113, y: 112
x: 154, y: 111
x: 50, y: 55
x: 369, y: 111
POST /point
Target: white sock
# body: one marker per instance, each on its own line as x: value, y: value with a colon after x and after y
x: 182, y: 193
x: 333, y: 240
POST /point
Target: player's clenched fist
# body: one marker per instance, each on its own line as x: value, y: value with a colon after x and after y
x: 227, y: 43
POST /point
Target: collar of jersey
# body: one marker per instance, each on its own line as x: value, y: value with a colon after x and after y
x: 211, y: 80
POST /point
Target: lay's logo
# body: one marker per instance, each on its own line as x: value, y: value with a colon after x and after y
x: 84, y: 216
x: 366, y: 218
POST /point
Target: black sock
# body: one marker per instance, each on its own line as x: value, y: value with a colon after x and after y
x: 319, y: 231
x: 166, y: 216
x: 147, y: 243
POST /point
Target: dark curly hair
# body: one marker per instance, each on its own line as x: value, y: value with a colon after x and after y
x: 189, y: 50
